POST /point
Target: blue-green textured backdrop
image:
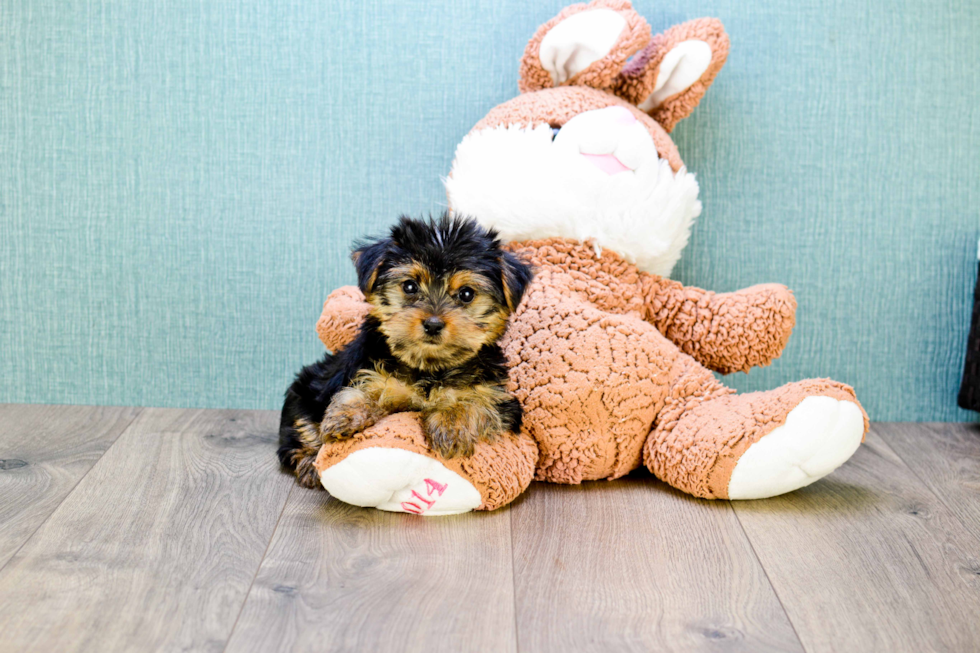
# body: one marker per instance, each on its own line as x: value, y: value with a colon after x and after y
x: 180, y: 180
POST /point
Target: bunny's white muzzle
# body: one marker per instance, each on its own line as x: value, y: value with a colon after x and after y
x: 597, y: 177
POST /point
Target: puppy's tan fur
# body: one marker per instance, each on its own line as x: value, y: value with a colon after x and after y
x: 456, y: 418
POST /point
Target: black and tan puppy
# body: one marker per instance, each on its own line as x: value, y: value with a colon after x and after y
x: 440, y: 293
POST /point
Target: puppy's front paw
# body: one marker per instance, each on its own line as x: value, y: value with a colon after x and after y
x: 447, y: 442
x: 343, y: 424
x: 350, y: 412
x: 450, y: 436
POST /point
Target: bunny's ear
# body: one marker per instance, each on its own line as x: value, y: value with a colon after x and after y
x: 584, y: 45
x: 669, y: 77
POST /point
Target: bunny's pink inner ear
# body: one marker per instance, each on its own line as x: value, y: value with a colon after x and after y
x: 584, y: 45
x: 669, y: 78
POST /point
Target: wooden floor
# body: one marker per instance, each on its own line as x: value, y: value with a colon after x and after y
x: 125, y: 529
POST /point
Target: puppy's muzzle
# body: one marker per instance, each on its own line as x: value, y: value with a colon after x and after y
x: 433, y: 325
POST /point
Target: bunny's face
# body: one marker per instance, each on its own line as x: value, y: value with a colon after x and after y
x: 584, y: 151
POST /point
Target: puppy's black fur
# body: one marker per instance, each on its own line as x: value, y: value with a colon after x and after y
x: 440, y: 293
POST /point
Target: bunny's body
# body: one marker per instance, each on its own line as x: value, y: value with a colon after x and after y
x: 611, y: 361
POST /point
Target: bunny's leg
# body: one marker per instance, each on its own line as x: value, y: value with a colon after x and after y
x: 714, y: 444
x: 390, y: 466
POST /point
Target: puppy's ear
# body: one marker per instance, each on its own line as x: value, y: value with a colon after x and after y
x: 367, y: 259
x: 516, y: 274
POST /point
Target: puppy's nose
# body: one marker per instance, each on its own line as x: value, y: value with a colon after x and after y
x: 433, y: 325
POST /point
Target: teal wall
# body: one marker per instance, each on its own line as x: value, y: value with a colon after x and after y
x: 179, y: 181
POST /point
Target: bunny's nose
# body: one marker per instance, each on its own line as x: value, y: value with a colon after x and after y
x: 608, y: 163
x: 604, y: 133
x: 433, y: 325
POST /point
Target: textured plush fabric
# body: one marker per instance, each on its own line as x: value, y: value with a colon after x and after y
x: 500, y: 471
x: 704, y: 429
x: 338, y: 325
x: 180, y: 181
x: 600, y: 74
x: 639, y: 78
x: 559, y: 105
x: 728, y: 345
x: 595, y: 378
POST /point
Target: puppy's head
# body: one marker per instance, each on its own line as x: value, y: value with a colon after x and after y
x: 441, y: 289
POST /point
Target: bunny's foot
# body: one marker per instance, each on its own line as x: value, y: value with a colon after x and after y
x: 390, y: 467
x: 761, y: 444
x: 819, y: 435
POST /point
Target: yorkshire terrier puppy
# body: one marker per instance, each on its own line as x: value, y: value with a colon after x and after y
x: 440, y: 293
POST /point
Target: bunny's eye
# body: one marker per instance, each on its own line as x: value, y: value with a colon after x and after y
x: 554, y: 132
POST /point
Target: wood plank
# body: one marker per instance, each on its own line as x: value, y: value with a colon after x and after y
x: 635, y: 565
x: 340, y: 578
x: 44, y: 452
x: 869, y: 559
x: 946, y: 458
x: 156, y: 547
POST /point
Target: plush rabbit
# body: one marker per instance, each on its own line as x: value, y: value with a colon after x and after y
x: 610, y: 360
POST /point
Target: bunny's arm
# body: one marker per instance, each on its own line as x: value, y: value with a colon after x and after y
x: 725, y: 332
x: 342, y: 315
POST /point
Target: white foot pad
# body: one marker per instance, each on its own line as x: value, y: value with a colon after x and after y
x: 400, y: 481
x: 818, y: 436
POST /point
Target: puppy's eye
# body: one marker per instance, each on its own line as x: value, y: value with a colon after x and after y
x: 410, y: 287
x: 466, y: 294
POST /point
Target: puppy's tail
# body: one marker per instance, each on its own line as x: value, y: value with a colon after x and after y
x: 299, y: 426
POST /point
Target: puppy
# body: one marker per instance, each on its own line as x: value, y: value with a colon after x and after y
x: 440, y: 293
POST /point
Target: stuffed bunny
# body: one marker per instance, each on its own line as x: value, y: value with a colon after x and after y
x: 611, y: 360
